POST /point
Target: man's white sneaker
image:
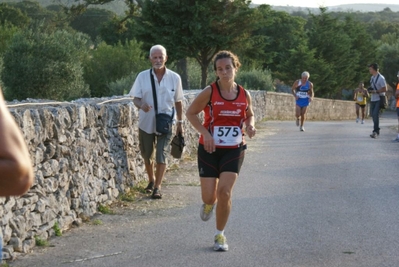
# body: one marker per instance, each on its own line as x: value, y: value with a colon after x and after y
x: 302, y: 129
x: 220, y: 243
x: 362, y: 121
x: 206, y: 211
x: 396, y: 139
x: 357, y: 120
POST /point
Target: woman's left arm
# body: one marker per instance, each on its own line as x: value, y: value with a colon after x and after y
x: 250, y: 119
x: 311, y: 92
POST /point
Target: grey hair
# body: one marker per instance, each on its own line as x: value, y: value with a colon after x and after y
x: 158, y: 47
x: 305, y: 73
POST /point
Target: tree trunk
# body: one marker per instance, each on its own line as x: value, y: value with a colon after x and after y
x: 204, y: 75
x: 181, y: 66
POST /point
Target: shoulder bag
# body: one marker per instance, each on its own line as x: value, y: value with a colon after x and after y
x: 163, y: 121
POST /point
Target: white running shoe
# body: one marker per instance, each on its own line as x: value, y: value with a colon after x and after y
x: 396, y: 139
x: 362, y: 121
x: 357, y: 120
x: 220, y: 243
x: 302, y: 129
x: 206, y: 212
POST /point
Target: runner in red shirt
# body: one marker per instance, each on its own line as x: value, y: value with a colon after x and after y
x: 228, y: 111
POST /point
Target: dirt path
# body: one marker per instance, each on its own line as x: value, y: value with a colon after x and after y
x: 180, y: 188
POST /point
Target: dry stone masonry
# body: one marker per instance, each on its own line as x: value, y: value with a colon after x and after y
x: 85, y: 154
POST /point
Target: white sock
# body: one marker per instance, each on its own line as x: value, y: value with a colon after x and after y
x: 219, y: 232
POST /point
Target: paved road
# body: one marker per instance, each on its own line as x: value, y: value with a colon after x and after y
x: 325, y: 197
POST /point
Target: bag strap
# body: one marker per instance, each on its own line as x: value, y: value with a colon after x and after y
x: 374, y: 82
x: 154, y: 95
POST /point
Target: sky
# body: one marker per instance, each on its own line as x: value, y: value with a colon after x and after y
x: 317, y: 3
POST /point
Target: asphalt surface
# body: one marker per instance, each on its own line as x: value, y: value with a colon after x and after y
x: 325, y: 197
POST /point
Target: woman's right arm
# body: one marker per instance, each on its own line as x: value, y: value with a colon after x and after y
x: 293, y: 88
x: 355, y: 94
x: 197, y: 106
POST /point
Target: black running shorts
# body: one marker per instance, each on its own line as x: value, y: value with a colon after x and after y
x: 222, y: 160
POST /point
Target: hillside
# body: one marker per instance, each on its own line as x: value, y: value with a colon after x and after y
x: 343, y: 8
x: 118, y: 6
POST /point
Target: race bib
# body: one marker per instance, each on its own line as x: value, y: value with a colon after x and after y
x: 360, y: 98
x: 302, y: 94
x: 227, y: 135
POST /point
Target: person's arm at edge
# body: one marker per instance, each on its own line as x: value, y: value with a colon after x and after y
x: 179, y: 98
x: 179, y: 117
x: 293, y: 88
x: 382, y: 90
x: 196, y: 107
x: 16, y: 172
x: 366, y: 93
x: 250, y: 119
x: 311, y: 92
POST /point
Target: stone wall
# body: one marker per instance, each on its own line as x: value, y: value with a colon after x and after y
x: 85, y: 153
x: 281, y: 106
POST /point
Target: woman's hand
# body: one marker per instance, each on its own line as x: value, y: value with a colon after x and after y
x: 209, y: 143
x: 251, y: 131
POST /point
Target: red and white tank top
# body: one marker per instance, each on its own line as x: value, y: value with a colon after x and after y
x: 224, y: 118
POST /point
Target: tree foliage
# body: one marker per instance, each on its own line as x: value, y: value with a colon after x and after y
x: 389, y: 61
x: 335, y: 47
x: 7, y: 32
x: 110, y: 63
x: 115, y: 31
x: 13, y: 16
x: 91, y: 21
x: 46, y: 65
x: 339, y: 44
x: 196, y: 29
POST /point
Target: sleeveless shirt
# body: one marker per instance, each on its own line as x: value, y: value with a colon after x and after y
x: 225, y: 118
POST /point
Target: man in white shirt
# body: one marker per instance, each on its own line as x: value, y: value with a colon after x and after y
x: 169, y: 93
x: 377, y: 88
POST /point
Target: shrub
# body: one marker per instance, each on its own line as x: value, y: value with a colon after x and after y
x: 46, y: 65
x: 110, y: 63
x: 7, y: 31
x: 255, y: 80
x: 122, y: 86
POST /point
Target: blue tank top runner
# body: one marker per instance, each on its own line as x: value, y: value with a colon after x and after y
x: 302, y: 93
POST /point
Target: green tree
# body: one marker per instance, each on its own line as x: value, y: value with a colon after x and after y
x: 196, y: 29
x: 332, y: 46
x: 114, y: 31
x: 282, y: 33
x: 299, y: 59
x: 39, y: 64
x: 35, y: 12
x: 13, y: 16
x: 7, y: 31
x: 109, y: 64
x: 91, y: 21
x: 389, y: 61
x: 362, y: 49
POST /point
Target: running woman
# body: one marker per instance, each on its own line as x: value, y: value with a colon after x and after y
x: 360, y: 96
x: 227, y: 112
